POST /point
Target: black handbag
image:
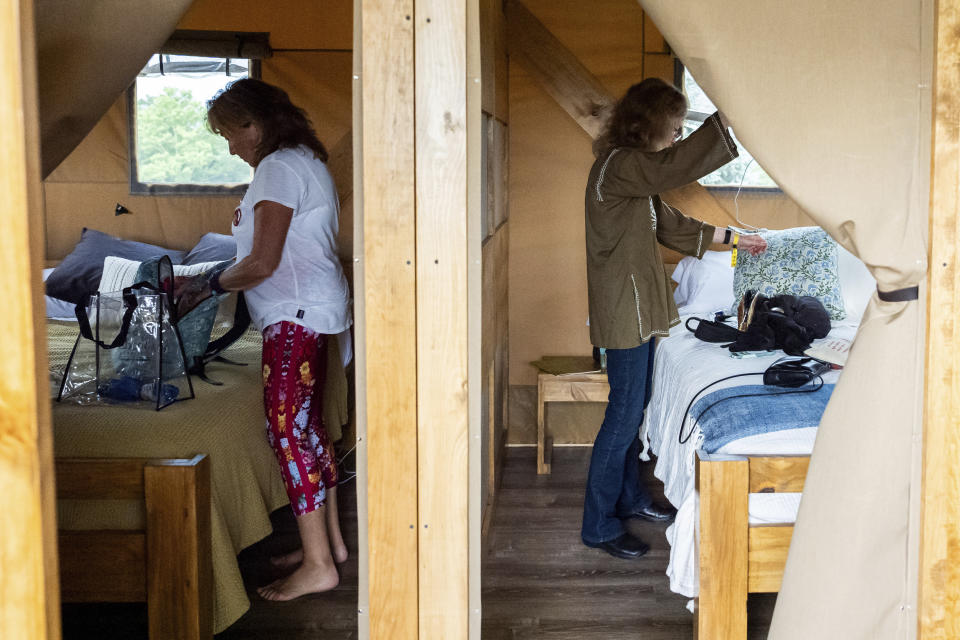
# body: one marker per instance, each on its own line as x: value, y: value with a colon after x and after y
x: 712, y: 331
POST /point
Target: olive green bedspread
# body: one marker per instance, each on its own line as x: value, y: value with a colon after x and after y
x: 224, y: 422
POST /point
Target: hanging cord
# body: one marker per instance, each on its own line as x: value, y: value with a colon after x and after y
x: 736, y: 198
x: 684, y: 440
x: 351, y: 474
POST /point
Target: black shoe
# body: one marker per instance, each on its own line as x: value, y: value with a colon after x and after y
x: 626, y: 546
x: 653, y: 513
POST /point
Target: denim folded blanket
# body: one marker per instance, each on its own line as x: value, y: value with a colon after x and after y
x: 767, y: 409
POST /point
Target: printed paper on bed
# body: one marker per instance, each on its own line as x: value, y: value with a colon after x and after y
x: 832, y: 350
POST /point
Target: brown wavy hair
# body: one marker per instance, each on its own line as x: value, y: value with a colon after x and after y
x: 283, y: 124
x: 640, y: 116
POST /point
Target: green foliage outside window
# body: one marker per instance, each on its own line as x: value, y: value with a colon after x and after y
x: 174, y: 145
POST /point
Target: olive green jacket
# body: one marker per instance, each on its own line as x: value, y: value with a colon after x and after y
x: 629, y: 292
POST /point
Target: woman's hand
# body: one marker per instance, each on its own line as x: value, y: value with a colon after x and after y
x: 754, y: 245
x: 190, y: 292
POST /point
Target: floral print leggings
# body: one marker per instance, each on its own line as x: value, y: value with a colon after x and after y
x: 294, y: 370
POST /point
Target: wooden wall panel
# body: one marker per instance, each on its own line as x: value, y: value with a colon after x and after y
x: 389, y: 294
x: 442, y: 384
x: 29, y: 600
x: 939, y: 595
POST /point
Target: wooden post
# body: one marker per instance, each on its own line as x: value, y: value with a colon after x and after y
x: 939, y: 580
x: 442, y: 331
x: 29, y: 600
x: 721, y: 609
x: 387, y: 360
x: 179, y: 563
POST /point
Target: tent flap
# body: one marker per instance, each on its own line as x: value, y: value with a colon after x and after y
x: 88, y: 53
x: 832, y: 99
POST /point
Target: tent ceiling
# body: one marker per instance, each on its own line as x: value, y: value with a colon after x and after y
x: 88, y: 53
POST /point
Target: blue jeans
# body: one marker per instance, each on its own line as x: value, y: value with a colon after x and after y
x: 613, y: 483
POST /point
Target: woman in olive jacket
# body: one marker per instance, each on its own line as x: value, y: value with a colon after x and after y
x: 630, y: 297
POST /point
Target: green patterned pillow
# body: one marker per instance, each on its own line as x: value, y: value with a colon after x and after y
x: 798, y: 262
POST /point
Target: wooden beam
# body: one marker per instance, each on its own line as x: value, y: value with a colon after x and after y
x: 359, y: 330
x: 721, y: 609
x: 939, y: 580
x: 387, y: 217
x: 778, y: 474
x: 557, y: 70
x: 473, y: 268
x: 442, y: 344
x: 29, y: 602
x: 767, y: 557
x: 99, y: 478
x: 586, y: 100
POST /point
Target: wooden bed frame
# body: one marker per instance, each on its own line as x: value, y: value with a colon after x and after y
x: 736, y: 558
x: 167, y: 564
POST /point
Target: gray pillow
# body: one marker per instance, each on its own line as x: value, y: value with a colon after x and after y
x: 213, y: 247
x: 79, y: 273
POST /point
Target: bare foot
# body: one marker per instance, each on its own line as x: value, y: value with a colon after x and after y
x: 287, y: 560
x: 308, y: 578
x: 339, y: 553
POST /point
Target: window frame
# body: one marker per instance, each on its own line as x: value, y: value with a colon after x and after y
x: 180, y: 189
x: 679, y: 71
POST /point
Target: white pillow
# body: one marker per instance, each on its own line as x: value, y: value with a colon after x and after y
x: 58, y: 309
x: 856, y: 283
x: 705, y: 285
x: 119, y: 273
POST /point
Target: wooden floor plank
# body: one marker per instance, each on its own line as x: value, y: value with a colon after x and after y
x: 540, y: 581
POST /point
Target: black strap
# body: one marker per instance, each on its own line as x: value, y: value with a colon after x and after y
x: 241, y: 321
x: 129, y: 305
x: 906, y: 294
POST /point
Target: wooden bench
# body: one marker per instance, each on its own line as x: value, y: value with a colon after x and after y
x: 736, y: 558
x: 167, y: 564
x: 579, y: 385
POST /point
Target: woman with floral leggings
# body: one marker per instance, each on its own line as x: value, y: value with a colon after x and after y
x: 289, y: 270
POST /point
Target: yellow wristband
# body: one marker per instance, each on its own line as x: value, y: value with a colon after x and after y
x: 733, y: 252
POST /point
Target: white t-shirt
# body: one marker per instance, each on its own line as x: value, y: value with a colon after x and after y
x: 308, y: 287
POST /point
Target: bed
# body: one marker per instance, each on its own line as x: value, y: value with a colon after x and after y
x: 224, y: 423
x: 736, y: 504
x: 200, y: 470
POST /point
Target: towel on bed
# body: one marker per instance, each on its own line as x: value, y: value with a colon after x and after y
x: 770, y: 409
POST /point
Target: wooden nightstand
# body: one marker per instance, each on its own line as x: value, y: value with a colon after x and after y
x: 564, y: 379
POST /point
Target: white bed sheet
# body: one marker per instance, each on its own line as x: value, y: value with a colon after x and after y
x: 675, y: 381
